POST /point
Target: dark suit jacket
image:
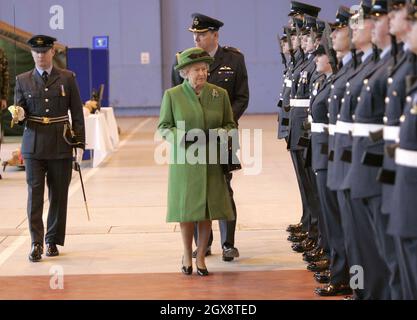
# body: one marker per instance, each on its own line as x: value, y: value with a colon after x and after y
x: 228, y: 71
x: 53, y: 99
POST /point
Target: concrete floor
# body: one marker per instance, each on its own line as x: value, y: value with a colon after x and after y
x: 127, y: 199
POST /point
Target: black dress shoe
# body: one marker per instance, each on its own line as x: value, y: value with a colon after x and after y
x: 334, y: 290
x: 306, y: 245
x: 229, y: 253
x: 322, y: 277
x: 315, y: 250
x: 297, y: 237
x: 51, y: 250
x: 319, y: 265
x: 293, y: 228
x: 35, y: 254
x: 187, y: 270
x: 208, y: 252
x: 314, y: 257
x: 202, y: 272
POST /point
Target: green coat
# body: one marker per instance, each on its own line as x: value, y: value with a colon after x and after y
x: 196, y: 192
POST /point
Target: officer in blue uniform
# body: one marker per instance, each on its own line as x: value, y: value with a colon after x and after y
x: 283, y: 116
x: 308, y: 197
x: 338, y: 283
x: 403, y: 222
x: 367, y: 158
x: 229, y: 72
x: 353, y: 208
x: 44, y: 97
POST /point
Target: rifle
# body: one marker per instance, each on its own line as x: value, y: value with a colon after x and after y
x: 328, y: 47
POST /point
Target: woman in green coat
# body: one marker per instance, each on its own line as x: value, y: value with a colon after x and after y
x: 196, y: 119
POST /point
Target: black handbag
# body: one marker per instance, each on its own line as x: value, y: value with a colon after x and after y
x: 233, y: 163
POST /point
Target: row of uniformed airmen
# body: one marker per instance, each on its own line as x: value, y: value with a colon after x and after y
x: 348, y: 112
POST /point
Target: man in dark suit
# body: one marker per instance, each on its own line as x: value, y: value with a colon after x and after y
x: 44, y: 96
x: 229, y: 72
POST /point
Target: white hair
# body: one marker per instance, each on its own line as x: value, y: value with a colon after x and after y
x: 184, y: 71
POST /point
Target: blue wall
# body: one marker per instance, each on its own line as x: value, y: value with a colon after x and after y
x: 160, y: 27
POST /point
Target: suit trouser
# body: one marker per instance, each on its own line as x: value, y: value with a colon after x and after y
x: 406, y: 250
x: 386, y: 246
x: 227, y: 227
x: 339, y: 271
x: 310, y: 207
x: 362, y: 249
x: 58, y: 177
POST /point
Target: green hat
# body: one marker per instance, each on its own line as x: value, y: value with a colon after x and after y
x: 192, y: 55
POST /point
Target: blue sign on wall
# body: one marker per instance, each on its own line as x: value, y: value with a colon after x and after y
x: 101, y: 42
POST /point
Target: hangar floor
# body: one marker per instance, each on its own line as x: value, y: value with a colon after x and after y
x: 128, y: 251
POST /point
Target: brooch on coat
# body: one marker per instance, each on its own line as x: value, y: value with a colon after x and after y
x: 214, y: 93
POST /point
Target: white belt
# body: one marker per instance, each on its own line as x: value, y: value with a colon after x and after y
x: 288, y: 83
x: 343, y: 127
x: 391, y: 133
x: 332, y: 129
x: 310, y: 119
x: 319, y: 127
x: 300, y: 103
x: 407, y: 158
x: 364, y: 129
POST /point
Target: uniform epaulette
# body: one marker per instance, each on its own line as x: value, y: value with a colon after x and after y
x: 232, y: 49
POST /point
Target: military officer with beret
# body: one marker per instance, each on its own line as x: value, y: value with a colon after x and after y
x: 44, y: 97
x: 229, y: 72
x: 283, y: 116
x: 301, y: 62
x: 353, y: 208
x: 367, y: 153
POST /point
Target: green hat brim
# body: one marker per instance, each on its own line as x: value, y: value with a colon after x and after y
x: 208, y: 60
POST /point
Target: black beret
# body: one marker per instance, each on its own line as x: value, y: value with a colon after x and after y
x: 379, y: 7
x: 309, y: 24
x: 202, y: 23
x: 303, y: 8
x: 365, y: 8
x: 41, y: 43
x: 343, y: 16
x: 320, y: 26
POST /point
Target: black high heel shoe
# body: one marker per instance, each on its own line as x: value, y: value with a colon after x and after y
x: 202, y: 272
x: 186, y: 270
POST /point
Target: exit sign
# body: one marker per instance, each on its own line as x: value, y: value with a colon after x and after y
x: 101, y: 42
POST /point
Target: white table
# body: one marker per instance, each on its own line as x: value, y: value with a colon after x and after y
x: 97, y: 136
x: 112, y: 124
